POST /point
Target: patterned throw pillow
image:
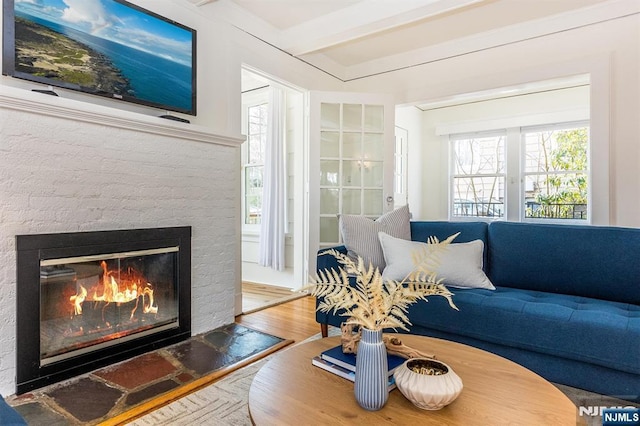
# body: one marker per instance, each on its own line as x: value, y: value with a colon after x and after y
x: 360, y: 234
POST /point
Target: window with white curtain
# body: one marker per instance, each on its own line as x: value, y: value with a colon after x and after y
x: 550, y: 163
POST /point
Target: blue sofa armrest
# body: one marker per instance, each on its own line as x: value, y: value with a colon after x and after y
x: 326, y: 261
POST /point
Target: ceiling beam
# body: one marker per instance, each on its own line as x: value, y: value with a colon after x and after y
x: 201, y: 2
x: 361, y: 19
x: 232, y: 13
x: 509, y: 35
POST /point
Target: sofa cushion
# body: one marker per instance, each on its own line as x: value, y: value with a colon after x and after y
x: 469, y: 231
x: 360, y: 234
x: 460, y: 265
x: 591, y: 261
x: 599, y: 332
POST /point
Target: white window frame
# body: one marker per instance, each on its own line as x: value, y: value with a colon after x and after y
x: 523, y: 173
x: 249, y: 99
x: 452, y: 175
x: 515, y: 191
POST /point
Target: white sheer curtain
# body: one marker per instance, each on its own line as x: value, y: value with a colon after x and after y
x: 274, y: 220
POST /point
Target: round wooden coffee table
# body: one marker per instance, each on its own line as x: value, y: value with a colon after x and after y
x: 289, y: 390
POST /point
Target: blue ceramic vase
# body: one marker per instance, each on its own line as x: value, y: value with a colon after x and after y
x: 371, y: 383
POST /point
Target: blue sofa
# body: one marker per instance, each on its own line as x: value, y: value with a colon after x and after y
x: 566, y: 303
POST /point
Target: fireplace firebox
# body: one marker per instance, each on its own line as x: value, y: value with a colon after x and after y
x: 89, y: 299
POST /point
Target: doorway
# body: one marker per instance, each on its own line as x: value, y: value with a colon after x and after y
x: 265, y: 285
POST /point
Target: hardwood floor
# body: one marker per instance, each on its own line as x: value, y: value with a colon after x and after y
x: 294, y: 320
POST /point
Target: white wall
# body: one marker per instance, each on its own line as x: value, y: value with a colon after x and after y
x: 609, y: 51
x: 411, y: 118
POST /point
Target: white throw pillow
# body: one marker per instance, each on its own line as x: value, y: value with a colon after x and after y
x: 360, y: 234
x: 460, y: 264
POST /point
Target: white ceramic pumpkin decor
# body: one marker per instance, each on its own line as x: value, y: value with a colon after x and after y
x: 427, y: 383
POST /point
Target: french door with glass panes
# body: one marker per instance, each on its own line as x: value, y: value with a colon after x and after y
x: 351, y: 162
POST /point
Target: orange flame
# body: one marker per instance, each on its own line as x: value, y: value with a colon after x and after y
x: 127, y: 289
x: 78, y: 299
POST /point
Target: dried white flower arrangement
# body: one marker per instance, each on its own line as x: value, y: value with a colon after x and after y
x: 374, y: 303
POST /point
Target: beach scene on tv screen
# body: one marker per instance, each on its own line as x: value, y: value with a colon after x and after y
x: 105, y: 47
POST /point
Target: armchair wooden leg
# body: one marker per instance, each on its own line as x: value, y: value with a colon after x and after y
x: 324, y: 329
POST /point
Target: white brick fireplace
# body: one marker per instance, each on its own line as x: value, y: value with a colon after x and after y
x: 69, y: 166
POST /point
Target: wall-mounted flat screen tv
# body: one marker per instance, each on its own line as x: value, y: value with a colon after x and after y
x: 110, y: 48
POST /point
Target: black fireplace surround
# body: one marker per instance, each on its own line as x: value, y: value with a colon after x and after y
x: 65, y: 329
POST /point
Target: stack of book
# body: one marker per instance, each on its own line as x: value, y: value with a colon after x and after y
x: 344, y: 365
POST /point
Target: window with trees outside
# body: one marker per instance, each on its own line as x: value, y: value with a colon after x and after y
x: 550, y: 162
x: 478, y: 182
x: 254, y: 163
x: 555, y: 175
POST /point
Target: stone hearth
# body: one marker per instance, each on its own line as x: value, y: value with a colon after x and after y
x: 108, y: 392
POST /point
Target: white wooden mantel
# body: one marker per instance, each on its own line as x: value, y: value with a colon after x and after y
x: 71, y: 109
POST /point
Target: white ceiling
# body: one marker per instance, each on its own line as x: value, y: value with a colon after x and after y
x: 351, y: 39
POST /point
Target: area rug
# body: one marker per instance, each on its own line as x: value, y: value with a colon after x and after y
x: 114, y: 394
x: 225, y: 402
